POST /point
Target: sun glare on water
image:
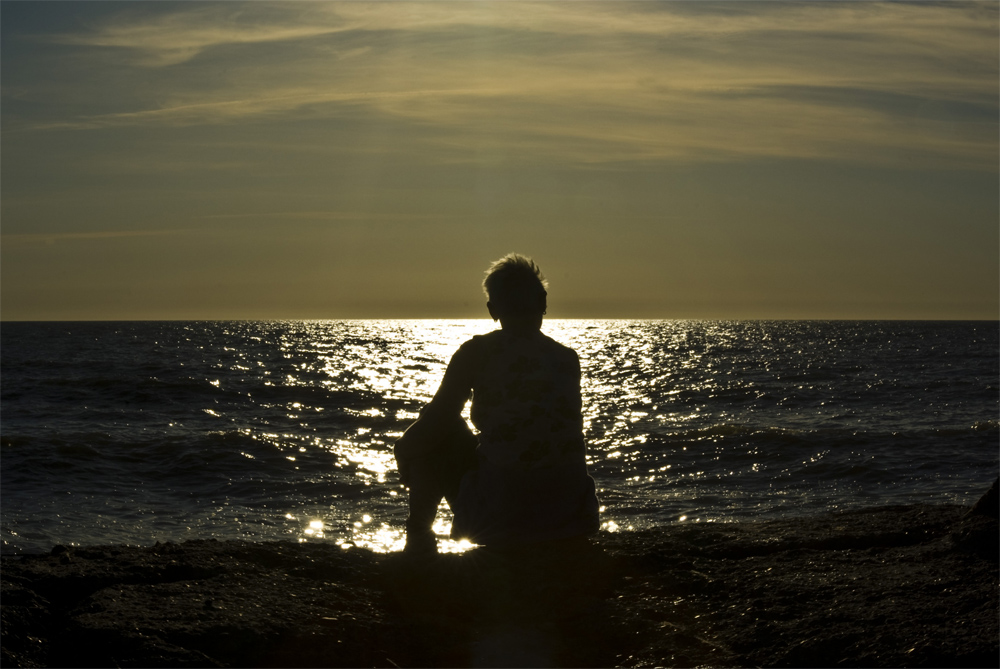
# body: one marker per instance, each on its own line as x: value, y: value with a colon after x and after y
x: 385, y: 538
x: 401, y: 361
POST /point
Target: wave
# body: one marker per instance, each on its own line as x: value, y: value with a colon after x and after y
x: 229, y: 423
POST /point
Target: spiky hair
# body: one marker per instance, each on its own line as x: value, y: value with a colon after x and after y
x: 515, y: 282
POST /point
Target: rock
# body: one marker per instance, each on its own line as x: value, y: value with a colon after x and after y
x: 885, y: 587
x: 978, y: 532
x: 989, y: 504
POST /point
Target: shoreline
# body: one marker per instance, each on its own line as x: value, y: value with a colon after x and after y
x: 891, y: 586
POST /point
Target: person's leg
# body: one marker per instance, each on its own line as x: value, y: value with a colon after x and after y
x: 417, y: 464
x: 433, y: 471
x: 462, y: 456
x: 425, y: 496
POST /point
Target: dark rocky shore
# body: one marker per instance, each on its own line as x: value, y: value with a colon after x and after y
x: 901, y: 586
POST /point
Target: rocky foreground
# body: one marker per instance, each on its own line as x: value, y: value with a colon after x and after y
x: 902, y: 586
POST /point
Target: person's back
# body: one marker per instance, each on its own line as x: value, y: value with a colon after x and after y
x: 526, y: 401
x: 524, y: 478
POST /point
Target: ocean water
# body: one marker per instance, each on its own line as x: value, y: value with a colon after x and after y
x: 137, y: 432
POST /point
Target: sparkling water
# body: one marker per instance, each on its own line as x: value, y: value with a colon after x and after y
x: 136, y: 432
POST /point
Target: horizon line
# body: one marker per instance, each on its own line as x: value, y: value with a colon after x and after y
x: 487, y: 318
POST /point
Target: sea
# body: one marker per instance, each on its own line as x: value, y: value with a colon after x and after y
x: 138, y: 432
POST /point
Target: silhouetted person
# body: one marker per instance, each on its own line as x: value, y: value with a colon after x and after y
x: 523, y: 478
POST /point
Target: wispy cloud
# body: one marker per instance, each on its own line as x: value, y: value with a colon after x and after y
x: 159, y: 40
x: 580, y: 82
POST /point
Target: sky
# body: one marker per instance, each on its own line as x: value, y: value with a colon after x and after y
x: 247, y: 160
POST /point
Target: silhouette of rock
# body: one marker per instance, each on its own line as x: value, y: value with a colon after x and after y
x: 895, y: 586
x: 978, y: 532
x: 989, y: 504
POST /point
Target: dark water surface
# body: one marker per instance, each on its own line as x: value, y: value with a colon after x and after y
x: 135, y: 432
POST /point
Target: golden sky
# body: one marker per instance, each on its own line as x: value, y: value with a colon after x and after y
x: 369, y: 159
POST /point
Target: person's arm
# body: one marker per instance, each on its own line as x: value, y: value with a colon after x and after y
x: 449, y: 401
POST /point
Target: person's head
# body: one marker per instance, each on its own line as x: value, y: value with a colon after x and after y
x: 515, y: 289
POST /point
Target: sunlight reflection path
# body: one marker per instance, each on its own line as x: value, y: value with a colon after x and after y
x: 627, y: 378
x: 670, y: 408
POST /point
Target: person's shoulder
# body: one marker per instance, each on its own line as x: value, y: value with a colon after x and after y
x: 477, y: 344
x: 556, y: 345
x: 560, y: 350
x: 482, y: 340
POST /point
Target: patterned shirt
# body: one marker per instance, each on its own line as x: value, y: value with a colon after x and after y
x: 526, y: 400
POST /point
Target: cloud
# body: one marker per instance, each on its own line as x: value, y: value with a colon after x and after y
x: 159, y: 40
x: 162, y: 39
x: 585, y: 83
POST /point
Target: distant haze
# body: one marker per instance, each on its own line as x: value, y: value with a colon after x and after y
x: 357, y: 160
